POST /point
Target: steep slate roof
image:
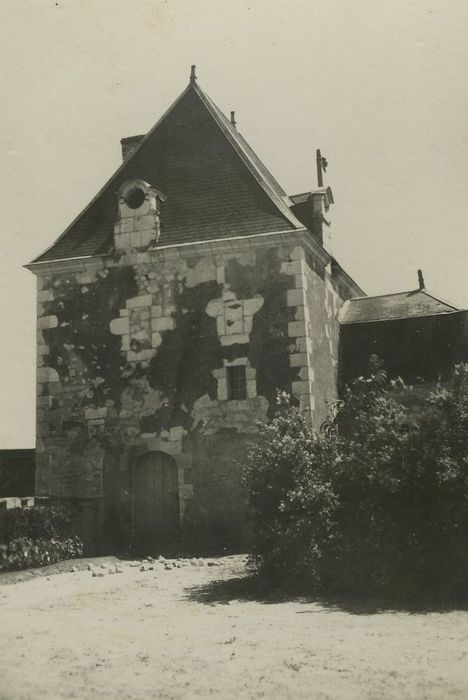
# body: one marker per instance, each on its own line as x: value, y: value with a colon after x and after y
x: 216, y: 186
x: 393, y: 306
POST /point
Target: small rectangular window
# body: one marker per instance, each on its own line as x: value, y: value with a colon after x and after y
x: 236, y: 381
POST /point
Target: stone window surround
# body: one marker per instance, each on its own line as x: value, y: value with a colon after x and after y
x: 221, y: 376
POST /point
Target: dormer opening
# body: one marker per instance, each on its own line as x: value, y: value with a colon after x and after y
x: 135, y: 198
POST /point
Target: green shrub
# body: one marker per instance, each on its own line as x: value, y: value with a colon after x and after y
x: 291, y: 499
x: 37, y: 536
x: 376, y: 502
x: 26, y: 552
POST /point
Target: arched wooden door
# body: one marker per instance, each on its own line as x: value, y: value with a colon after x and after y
x: 155, y: 499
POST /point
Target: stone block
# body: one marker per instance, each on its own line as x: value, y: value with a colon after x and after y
x: 135, y: 239
x: 145, y: 222
x: 47, y: 374
x: 124, y: 312
x: 251, y: 388
x: 47, y: 322
x: 119, y: 326
x: 144, y: 300
x: 173, y: 447
x: 306, y: 402
x: 177, y: 433
x: 234, y: 327
x: 297, y: 253
x: 9, y: 503
x: 295, y: 297
x: 147, y: 237
x: 54, y: 388
x: 156, y: 311
x: 165, y: 323
x: 156, y: 340
x: 27, y: 502
x: 304, y: 373
x: 222, y: 390
x: 122, y: 241
x: 302, y: 314
x: 292, y: 268
x: 296, y: 329
x: 300, y: 282
x: 45, y: 295
x: 141, y: 356
x: 240, y: 338
x: 300, y: 387
x: 169, y: 309
x: 95, y: 413
x: 220, y: 273
x: 304, y: 344
x: 185, y: 490
x: 44, y: 401
x: 298, y: 359
x: 251, y: 306
x: 42, y: 349
x: 143, y: 258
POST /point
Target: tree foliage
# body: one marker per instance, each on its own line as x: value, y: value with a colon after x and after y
x: 374, y: 502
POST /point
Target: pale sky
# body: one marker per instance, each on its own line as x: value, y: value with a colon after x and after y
x: 380, y: 86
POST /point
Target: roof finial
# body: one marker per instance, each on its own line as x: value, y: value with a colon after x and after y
x: 233, y: 118
x: 193, y: 75
x: 322, y: 164
x: 421, y: 280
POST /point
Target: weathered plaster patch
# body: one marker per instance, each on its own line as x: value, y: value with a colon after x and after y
x: 234, y: 317
x: 210, y: 416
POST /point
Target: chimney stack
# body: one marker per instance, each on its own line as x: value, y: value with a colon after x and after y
x: 130, y: 144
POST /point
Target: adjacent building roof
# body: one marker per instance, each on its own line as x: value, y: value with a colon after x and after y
x: 387, y: 307
x: 216, y: 187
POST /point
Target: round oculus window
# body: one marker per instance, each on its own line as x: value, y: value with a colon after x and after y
x: 135, y: 198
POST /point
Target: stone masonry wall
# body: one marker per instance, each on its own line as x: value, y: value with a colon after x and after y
x: 133, y: 352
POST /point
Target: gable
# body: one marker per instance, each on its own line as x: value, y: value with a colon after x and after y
x: 215, y: 185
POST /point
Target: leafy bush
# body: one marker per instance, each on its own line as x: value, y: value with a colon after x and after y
x: 291, y: 498
x: 25, y: 552
x: 375, y: 502
x: 36, y: 536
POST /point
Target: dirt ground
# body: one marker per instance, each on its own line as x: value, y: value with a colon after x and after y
x: 195, y: 630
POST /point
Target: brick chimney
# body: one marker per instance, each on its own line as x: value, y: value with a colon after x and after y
x: 130, y: 144
x: 310, y: 208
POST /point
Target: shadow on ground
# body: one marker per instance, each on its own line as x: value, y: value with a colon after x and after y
x: 254, y: 588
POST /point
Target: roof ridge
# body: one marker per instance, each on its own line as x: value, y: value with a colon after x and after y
x: 440, y: 299
x: 388, y: 294
x: 409, y: 291
x: 400, y: 318
x: 233, y: 137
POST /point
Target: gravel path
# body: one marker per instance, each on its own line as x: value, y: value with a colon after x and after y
x: 197, y: 629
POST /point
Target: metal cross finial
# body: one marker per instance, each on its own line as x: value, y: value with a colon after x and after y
x: 421, y: 280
